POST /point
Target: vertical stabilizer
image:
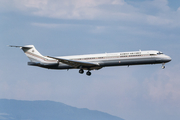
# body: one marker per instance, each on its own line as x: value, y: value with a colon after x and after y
x: 31, y: 53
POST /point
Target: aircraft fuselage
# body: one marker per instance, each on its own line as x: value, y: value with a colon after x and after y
x: 94, y: 61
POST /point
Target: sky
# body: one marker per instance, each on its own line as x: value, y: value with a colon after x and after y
x: 73, y: 27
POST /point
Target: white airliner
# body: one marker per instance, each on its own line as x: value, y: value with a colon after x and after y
x: 94, y: 61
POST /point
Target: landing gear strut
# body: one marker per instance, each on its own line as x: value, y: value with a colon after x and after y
x: 88, y: 73
x: 81, y: 71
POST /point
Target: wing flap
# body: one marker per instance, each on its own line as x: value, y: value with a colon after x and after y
x: 75, y: 63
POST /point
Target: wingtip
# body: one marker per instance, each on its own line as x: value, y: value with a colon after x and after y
x: 14, y: 46
x: 11, y: 46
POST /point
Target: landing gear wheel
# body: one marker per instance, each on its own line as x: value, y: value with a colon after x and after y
x: 81, y: 71
x: 88, y: 73
x: 163, y: 67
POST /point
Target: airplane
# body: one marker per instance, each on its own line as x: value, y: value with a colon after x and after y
x: 94, y: 61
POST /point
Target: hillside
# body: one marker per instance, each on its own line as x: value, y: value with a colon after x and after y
x: 47, y: 110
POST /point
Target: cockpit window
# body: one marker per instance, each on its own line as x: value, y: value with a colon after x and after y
x: 159, y: 53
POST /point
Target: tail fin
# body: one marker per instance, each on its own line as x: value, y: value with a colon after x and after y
x: 31, y: 53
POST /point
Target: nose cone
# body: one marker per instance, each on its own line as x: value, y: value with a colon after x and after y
x: 163, y: 59
x: 168, y: 59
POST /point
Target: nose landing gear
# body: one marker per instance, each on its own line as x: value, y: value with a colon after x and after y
x: 163, y: 66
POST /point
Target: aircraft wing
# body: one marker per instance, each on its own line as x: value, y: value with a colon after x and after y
x: 75, y: 63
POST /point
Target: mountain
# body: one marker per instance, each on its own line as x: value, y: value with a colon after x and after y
x: 47, y: 110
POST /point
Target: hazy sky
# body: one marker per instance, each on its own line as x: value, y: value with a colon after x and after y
x: 72, y: 27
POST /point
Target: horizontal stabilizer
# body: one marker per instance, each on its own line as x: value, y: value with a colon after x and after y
x: 28, y: 46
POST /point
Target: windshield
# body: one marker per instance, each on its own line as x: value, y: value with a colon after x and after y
x: 159, y: 53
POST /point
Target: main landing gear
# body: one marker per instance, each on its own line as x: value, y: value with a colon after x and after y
x: 81, y: 71
x: 88, y: 73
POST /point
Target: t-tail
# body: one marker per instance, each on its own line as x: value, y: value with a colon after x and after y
x: 36, y: 59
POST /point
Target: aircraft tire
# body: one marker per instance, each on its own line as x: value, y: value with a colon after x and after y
x: 81, y: 71
x: 88, y: 73
x: 163, y: 67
